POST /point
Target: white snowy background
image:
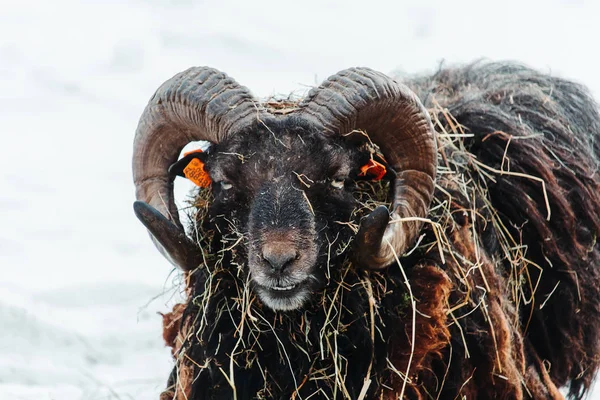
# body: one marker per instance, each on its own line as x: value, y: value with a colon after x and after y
x: 80, y: 283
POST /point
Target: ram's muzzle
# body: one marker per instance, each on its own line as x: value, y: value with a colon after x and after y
x: 282, y: 245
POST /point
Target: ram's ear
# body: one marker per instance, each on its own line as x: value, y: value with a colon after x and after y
x: 191, y: 166
x: 176, y: 169
x: 371, y: 164
x: 373, y: 167
x: 373, y: 170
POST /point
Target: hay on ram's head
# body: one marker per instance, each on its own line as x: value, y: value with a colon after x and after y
x: 448, y: 254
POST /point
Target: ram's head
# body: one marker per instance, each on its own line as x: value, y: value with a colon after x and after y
x: 285, y: 179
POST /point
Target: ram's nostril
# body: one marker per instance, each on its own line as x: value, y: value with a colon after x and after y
x: 279, y: 257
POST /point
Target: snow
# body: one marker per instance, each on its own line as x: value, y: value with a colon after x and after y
x: 80, y: 283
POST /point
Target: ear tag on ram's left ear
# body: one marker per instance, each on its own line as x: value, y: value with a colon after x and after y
x: 374, y: 169
x: 192, y: 168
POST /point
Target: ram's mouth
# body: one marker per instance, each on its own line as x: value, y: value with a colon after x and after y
x: 284, y: 297
x: 283, y: 288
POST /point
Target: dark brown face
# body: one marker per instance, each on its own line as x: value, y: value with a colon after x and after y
x: 288, y: 191
x: 202, y: 103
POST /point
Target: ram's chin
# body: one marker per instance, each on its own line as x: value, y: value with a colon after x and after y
x: 283, y: 301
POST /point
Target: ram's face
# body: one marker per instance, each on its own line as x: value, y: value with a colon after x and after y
x: 285, y: 185
x: 289, y: 192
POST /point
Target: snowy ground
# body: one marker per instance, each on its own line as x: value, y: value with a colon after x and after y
x: 80, y: 283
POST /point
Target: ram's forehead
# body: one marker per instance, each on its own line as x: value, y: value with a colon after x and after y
x: 268, y: 154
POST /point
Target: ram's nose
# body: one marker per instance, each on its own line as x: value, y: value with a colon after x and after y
x: 279, y: 256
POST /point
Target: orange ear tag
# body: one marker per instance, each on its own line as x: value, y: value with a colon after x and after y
x: 195, y: 171
x: 373, y: 168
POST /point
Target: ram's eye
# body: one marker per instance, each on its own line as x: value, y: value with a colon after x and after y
x: 337, y: 183
x: 226, y: 185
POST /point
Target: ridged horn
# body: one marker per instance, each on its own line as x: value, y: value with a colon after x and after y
x: 198, y: 104
x: 394, y: 118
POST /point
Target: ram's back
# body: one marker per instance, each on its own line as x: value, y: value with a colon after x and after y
x: 536, y: 136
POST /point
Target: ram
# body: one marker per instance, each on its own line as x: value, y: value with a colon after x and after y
x: 431, y: 238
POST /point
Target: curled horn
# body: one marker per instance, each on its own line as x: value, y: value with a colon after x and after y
x: 198, y: 104
x: 394, y: 118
